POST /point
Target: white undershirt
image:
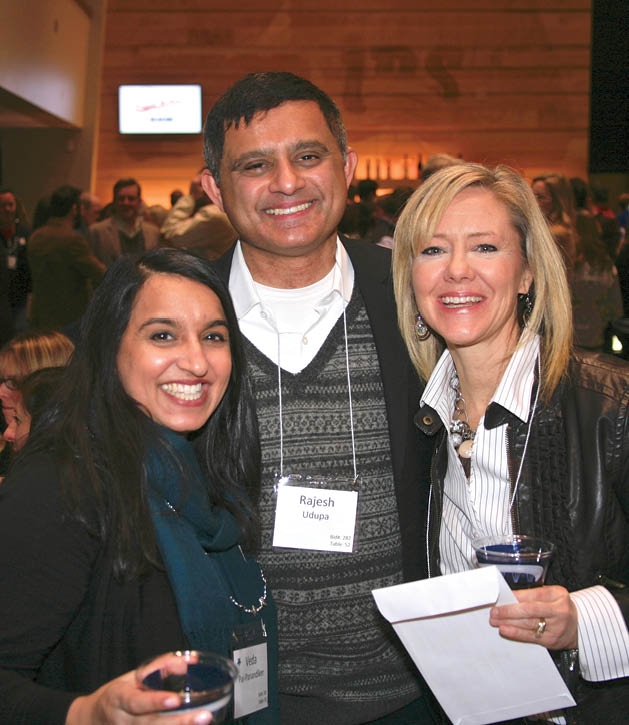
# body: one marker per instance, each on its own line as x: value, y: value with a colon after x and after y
x: 302, y: 318
x: 481, y: 508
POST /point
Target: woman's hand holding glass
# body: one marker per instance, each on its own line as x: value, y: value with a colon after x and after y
x: 124, y: 700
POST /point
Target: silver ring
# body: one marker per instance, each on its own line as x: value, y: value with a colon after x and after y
x: 541, y: 628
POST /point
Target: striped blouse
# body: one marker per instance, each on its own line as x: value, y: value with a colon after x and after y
x: 482, y: 508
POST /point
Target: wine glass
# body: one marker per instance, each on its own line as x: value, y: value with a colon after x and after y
x: 522, y: 560
x: 203, y: 680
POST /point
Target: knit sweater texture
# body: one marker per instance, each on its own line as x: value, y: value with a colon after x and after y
x: 340, y: 662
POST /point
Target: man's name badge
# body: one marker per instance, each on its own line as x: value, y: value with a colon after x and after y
x: 321, y: 519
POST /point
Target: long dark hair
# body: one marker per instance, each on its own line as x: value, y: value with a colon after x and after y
x: 99, y: 437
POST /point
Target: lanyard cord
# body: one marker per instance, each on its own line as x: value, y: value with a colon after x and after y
x: 279, y: 396
x: 349, y: 391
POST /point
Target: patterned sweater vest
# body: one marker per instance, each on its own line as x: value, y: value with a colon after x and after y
x: 340, y: 662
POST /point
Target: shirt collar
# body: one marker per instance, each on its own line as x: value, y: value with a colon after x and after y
x: 245, y: 295
x: 344, y: 272
x: 241, y: 285
x: 516, y: 386
x: 513, y: 392
x: 438, y: 393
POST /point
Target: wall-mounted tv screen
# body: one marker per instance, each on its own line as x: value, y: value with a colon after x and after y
x: 159, y: 109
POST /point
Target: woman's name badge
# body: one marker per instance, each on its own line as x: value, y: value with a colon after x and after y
x: 251, y: 686
x: 313, y: 516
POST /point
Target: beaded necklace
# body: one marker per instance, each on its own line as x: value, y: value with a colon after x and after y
x: 460, y: 430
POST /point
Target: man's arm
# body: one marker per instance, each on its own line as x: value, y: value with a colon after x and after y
x: 180, y: 225
x: 87, y: 263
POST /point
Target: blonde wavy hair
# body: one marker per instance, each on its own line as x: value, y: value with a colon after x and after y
x: 32, y: 351
x: 551, y: 316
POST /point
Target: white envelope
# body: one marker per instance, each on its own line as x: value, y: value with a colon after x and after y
x: 478, y: 676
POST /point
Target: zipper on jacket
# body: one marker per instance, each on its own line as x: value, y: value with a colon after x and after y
x: 432, y: 497
x: 513, y: 509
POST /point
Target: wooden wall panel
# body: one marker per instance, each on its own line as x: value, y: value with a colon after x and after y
x: 366, y: 6
x: 490, y: 80
x: 382, y: 29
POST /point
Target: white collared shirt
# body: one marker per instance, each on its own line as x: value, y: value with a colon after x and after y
x: 289, y: 326
x: 482, y: 508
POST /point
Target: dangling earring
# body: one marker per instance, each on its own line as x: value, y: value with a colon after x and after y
x: 526, y: 307
x: 421, y: 328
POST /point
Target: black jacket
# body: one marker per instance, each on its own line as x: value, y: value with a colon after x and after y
x: 574, y: 486
x: 67, y: 624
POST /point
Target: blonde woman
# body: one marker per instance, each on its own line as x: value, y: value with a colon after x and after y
x: 531, y: 437
x: 23, y: 355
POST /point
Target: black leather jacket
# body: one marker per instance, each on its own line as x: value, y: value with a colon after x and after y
x: 574, y: 486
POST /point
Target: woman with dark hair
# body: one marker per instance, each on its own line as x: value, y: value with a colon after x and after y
x: 124, y: 522
x: 554, y: 196
x: 596, y: 294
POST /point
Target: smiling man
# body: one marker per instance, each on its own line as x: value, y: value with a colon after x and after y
x: 124, y: 232
x: 335, y: 393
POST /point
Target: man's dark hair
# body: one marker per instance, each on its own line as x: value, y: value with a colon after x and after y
x: 62, y: 200
x: 367, y: 188
x: 121, y: 183
x: 600, y: 195
x: 257, y: 93
x: 580, y: 192
x: 175, y: 195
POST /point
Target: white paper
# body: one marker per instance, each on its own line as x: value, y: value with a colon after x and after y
x: 478, y: 676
